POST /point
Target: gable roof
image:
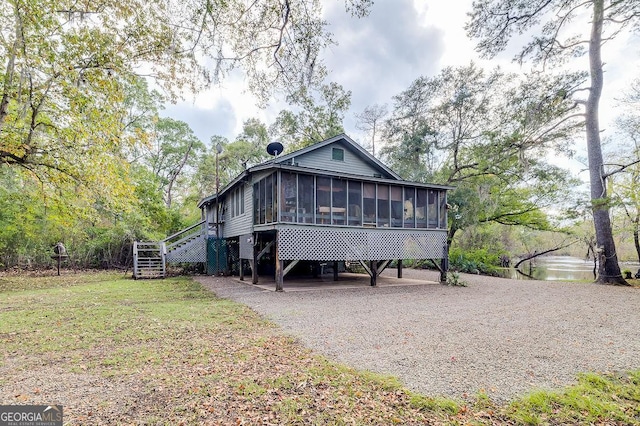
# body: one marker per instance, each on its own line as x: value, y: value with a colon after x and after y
x: 284, y: 162
x: 350, y: 144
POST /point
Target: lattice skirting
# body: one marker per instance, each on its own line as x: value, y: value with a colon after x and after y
x: 359, y: 244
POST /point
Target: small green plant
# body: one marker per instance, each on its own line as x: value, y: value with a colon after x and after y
x: 453, y: 279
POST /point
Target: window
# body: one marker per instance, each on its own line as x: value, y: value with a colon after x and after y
x: 421, y: 208
x: 288, y: 197
x: 242, y: 199
x: 409, y: 211
x: 323, y: 200
x: 268, y: 194
x: 274, y: 191
x: 237, y: 202
x: 383, y: 205
x: 232, y: 202
x: 396, y: 206
x: 256, y: 203
x: 443, y: 210
x: 261, y: 202
x: 355, y: 203
x: 306, y: 192
x: 265, y: 200
x: 369, y: 202
x: 338, y: 201
x: 432, y: 209
x: 337, y: 154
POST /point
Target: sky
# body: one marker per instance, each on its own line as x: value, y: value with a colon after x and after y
x: 379, y: 56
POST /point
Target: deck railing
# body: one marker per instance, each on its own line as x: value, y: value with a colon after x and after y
x: 186, y: 246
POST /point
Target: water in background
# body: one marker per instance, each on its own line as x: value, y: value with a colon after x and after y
x: 561, y: 268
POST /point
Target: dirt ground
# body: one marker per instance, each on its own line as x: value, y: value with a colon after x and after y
x: 498, y: 336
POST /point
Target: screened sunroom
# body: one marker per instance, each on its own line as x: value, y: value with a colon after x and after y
x: 303, y: 198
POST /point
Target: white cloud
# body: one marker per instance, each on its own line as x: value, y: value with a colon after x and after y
x: 380, y: 55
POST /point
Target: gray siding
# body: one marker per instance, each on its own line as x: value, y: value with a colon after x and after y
x: 321, y: 159
x: 242, y: 224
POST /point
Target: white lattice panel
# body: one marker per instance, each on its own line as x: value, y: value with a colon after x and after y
x: 359, y: 244
x: 193, y: 252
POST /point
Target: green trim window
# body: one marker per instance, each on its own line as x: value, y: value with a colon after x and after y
x: 337, y: 154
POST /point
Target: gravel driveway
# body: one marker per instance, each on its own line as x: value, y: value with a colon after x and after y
x: 506, y: 337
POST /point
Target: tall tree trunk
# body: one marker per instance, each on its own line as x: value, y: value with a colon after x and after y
x: 7, y: 84
x: 450, y: 234
x: 173, y: 176
x: 636, y: 234
x: 608, y: 268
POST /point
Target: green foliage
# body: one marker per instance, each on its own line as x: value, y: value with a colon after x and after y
x: 171, y: 151
x: 247, y: 150
x: 428, y: 404
x: 319, y: 117
x: 77, y: 121
x: 485, y: 133
x: 95, y: 235
x: 166, y: 332
x: 478, y: 261
x: 610, y: 399
x: 560, y: 31
x: 623, y: 185
x: 453, y: 279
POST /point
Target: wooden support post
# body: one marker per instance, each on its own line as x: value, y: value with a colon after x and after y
x: 290, y: 267
x: 364, y: 265
x: 279, y: 267
x: 400, y: 268
x: 266, y: 249
x: 444, y: 264
x: 254, y: 262
x: 335, y: 271
x: 241, y: 272
x: 374, y: 272
x: 383, y: 265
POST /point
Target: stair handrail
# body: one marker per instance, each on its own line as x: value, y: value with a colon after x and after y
x: 183, y: 231
x: 190, y: 237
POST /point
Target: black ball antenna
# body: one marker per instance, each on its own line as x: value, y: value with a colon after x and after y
x: 275, y: 148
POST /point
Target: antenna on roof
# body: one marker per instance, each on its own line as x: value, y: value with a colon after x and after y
x: 275, y: 148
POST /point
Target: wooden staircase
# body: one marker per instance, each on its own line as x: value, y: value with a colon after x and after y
x: 186, y: 246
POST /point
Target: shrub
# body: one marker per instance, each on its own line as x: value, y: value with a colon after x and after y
x: 479, y: 261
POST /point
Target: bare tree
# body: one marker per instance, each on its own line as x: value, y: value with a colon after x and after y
x: 370, y: 120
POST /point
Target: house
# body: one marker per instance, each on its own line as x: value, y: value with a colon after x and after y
x: 329, y: 202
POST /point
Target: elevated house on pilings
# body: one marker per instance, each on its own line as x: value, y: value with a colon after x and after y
x: 328, y: 203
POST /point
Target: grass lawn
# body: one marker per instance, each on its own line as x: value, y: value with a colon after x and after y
x: 113, y: 350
